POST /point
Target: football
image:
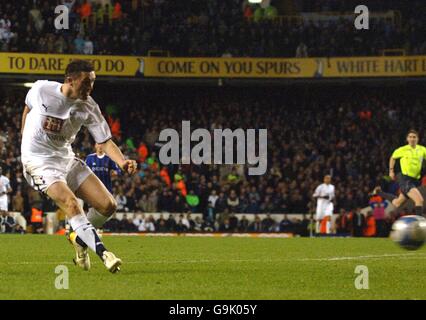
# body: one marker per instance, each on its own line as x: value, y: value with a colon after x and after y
x: 409, y: 232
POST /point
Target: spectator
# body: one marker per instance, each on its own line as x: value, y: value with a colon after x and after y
x: 378, y: 204
x: 126, y: 224
x: 181, y: 226
x: 302, y: 51
x: 85, y: 12
x: 342, y: 223
x: 358, y: 223
x: 225, y: 226
x: 268, y: 224
x: 171, y: 223
x: 138, y: 220
x: 7, y: 222
x: 160, y: 221
x: 116, y: 12
x: 148, y: 225
x: 112, y: 225
x: 88, y: 46
x: 121, y: 201
x: 233, y: 201
x: 18, y: 202
x: 79, y: 44
x: 286, y: 225
x: 198, y: 224
x: 370, y: 225
x: 233, y: 223
x: 36, y: 18
x: 213, y: 198
x: 221, y: 203
x: 256, y: 225
x: 243, y: 225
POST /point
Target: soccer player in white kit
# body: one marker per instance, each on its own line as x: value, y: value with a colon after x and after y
x: 4, y: 190
x: 53, y: 115
x: 324, y: 194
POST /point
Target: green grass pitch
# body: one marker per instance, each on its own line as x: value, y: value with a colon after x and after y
x: 214, y: 268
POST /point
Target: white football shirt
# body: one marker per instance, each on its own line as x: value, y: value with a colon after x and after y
x: 4, y: 185
x: 324, y: 190
x: 54, y: 121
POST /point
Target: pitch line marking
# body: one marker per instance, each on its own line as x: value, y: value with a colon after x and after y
x: 396, y: 255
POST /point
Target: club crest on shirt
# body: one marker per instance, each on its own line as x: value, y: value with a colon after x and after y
x: 52, y: 124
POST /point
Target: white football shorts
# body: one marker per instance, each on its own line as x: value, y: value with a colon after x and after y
x: 41, y: 175
x: 3, y: 203
x: 324, y: 210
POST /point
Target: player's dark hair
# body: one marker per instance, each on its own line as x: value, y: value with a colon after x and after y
x: 75, y: 67
x: 413, y: 132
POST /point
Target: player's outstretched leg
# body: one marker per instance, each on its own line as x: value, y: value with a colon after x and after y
x: 82, y: 258
x: 417, y: 198
x: 85, y: 233
x: 101, y: 201
x: 397, y: 201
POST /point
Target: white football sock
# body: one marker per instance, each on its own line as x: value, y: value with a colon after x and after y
x: 87, y: 233
x: 96, y: 219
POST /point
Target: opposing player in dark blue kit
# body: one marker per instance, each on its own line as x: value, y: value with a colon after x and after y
x: 103, y: 167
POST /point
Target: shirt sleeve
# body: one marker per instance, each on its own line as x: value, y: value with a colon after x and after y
x: 332, y: 194
x: 7, y: 183
x: 97, y: 125
x: 32, y: 95
x: 317, y: 191
x: 398, y: 153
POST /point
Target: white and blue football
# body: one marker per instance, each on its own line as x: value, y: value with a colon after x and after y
x: 409, y: 232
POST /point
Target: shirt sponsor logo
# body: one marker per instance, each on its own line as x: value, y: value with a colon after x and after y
x: 52, y: 124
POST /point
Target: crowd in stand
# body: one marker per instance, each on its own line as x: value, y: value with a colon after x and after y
x: 224, y: 223
x: 204, y: 28
x: 347, y: 223
x: 349, y: 135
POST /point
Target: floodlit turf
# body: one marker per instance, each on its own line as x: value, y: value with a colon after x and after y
x: 214, y: 268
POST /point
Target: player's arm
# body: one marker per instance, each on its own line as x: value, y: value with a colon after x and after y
x: 316, y: 193
x: 114, y: 152
x: 397, y: 154
x: 332, y: 196
x: 99, y: 129
x: 24, y: 116
x: 8, y: 188
x: 392, y: 168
